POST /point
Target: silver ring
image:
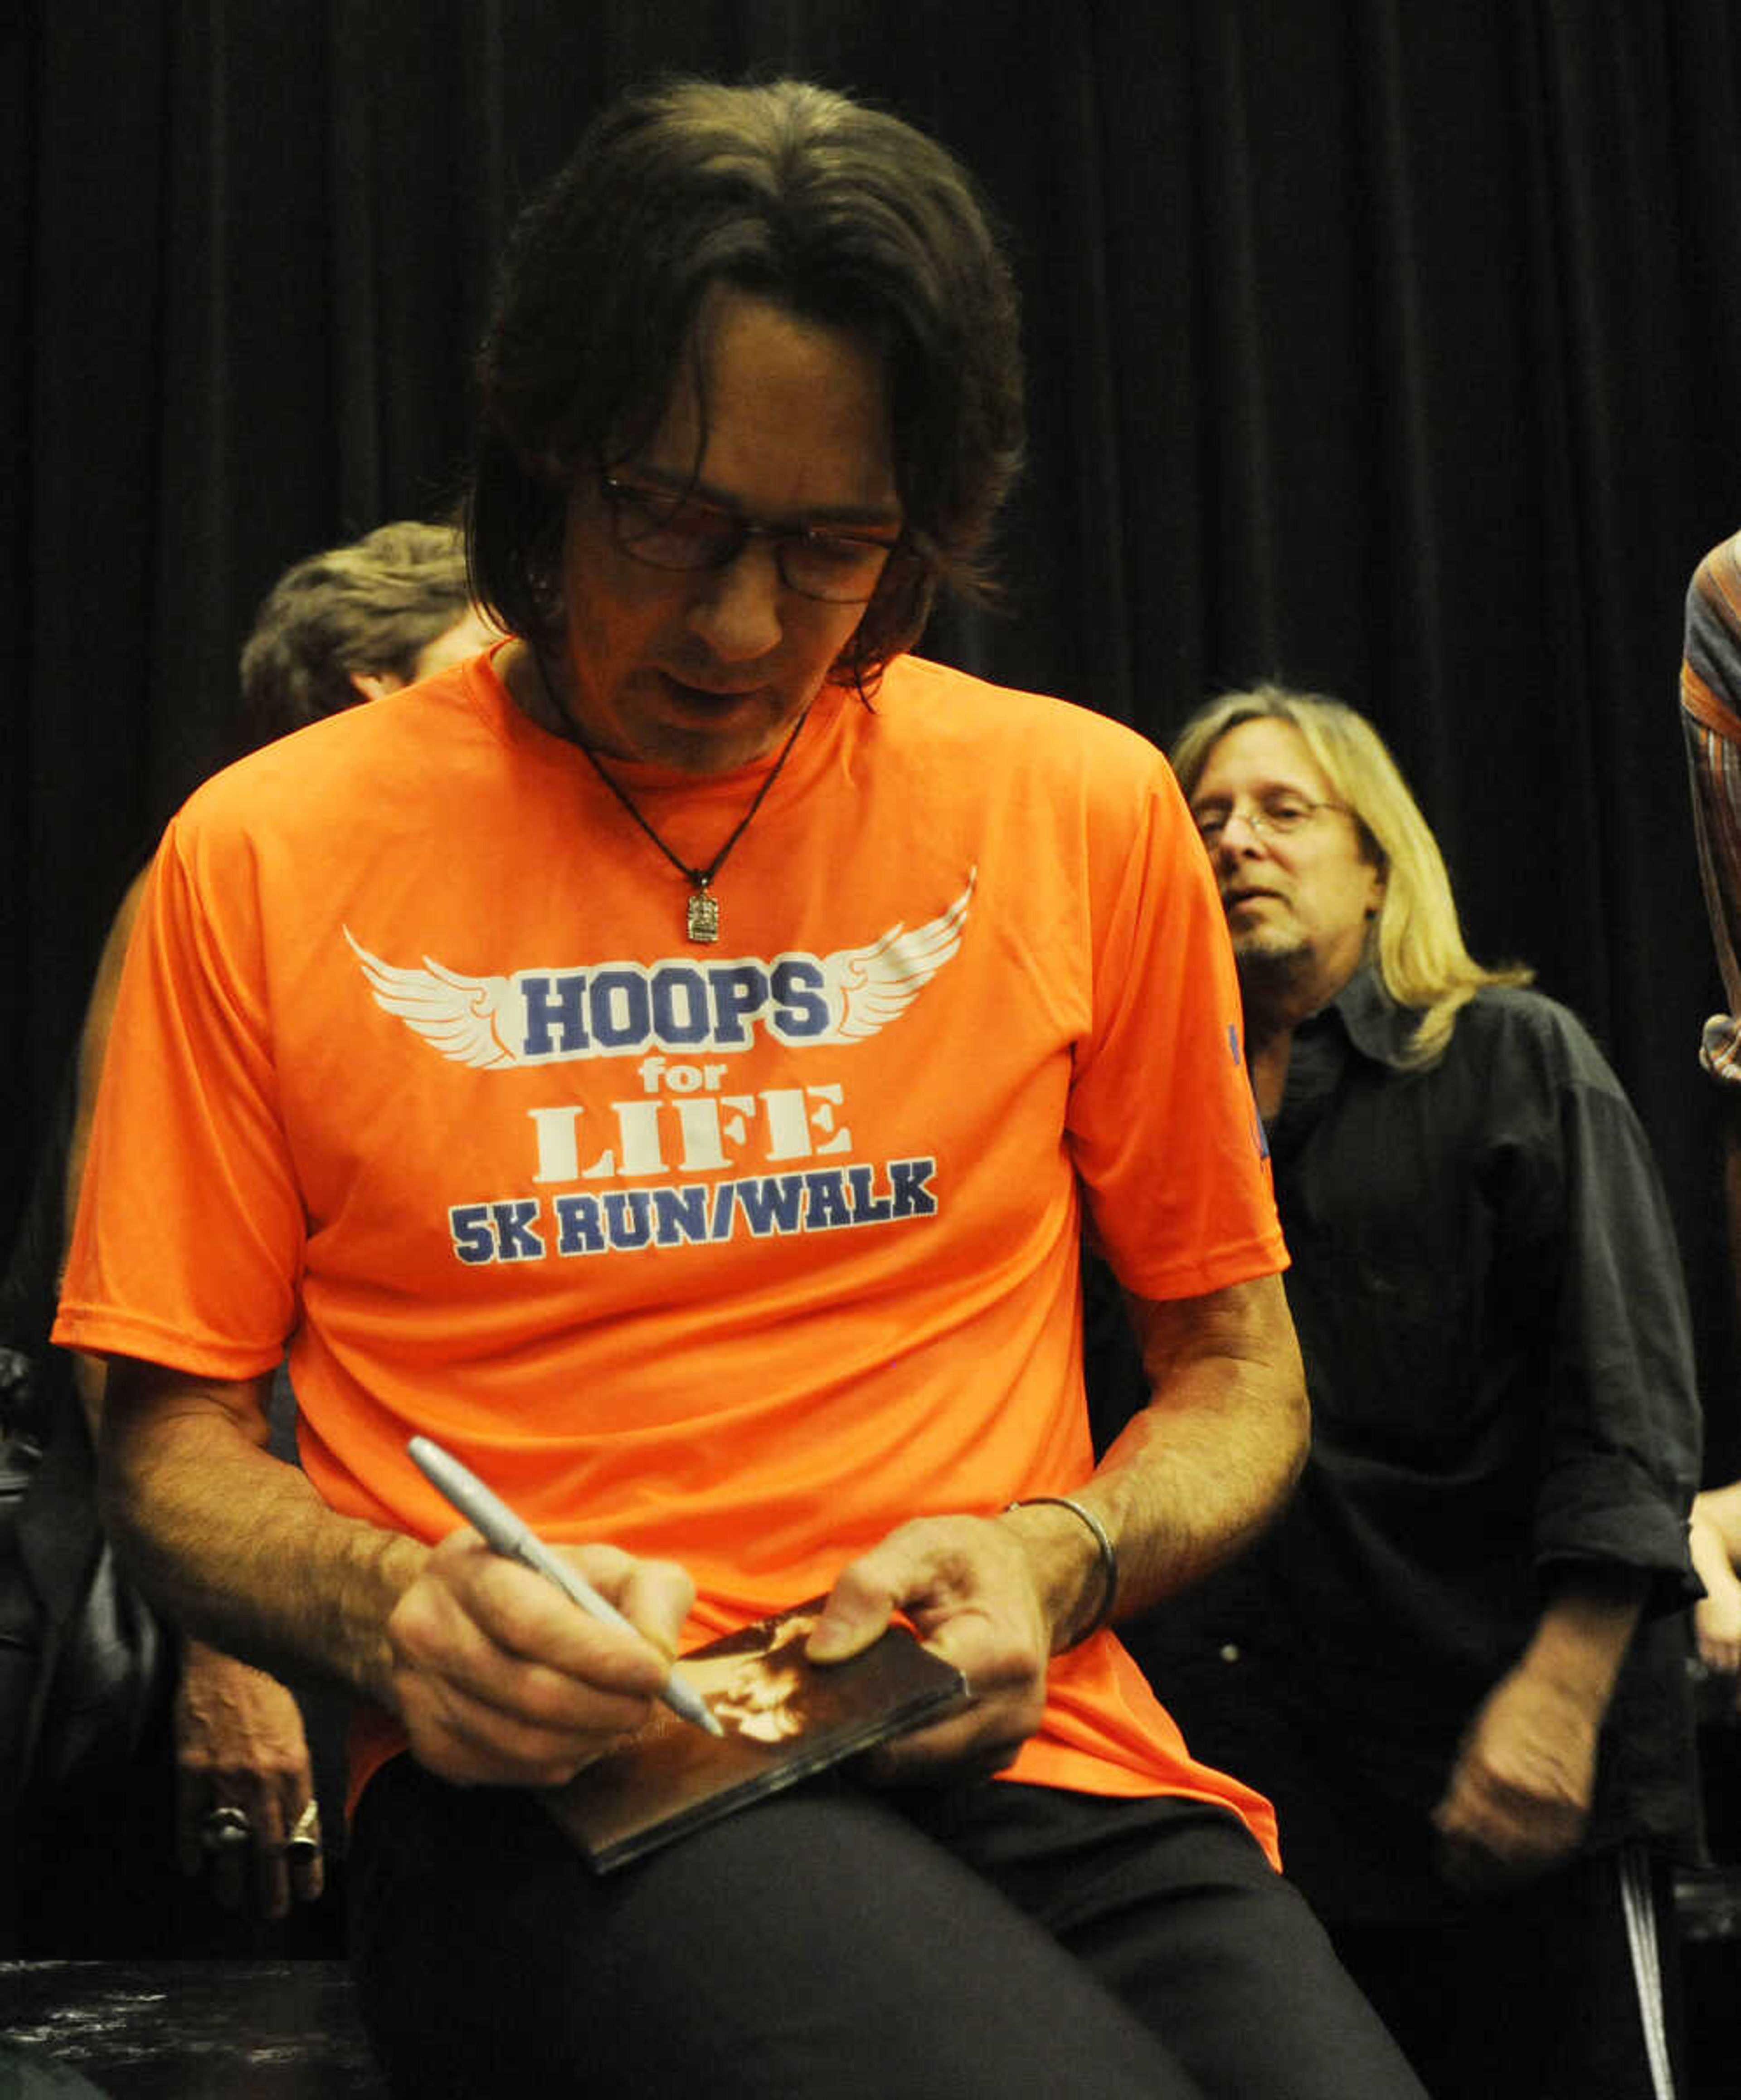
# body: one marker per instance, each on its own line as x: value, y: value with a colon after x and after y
x: 224, y: 1828
x: 304, y: 1832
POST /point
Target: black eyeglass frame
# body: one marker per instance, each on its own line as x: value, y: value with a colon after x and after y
x: 619, y: 495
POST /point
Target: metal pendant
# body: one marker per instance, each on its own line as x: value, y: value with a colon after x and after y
x: 703, y: 917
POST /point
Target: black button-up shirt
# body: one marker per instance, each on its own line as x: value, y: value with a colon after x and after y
x: 1490, y: 1307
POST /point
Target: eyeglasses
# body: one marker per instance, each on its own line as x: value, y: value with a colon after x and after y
x: 1276, y: 818
x: 672, y: 530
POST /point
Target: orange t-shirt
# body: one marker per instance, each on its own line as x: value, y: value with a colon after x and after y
x: 738, y: 1255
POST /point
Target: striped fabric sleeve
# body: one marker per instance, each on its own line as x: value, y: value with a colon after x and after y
x: 1710, y: 721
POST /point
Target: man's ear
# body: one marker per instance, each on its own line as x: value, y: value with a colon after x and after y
x: 374, y: 685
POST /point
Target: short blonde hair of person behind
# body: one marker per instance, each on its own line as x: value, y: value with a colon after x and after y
x: 1416, y: 942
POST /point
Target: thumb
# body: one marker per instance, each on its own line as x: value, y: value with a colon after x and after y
x: 854, y: 1614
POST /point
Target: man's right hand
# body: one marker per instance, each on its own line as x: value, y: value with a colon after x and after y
x: 500, y: 1680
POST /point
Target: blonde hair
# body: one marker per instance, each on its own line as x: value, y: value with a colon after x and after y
x: 1416, y: 942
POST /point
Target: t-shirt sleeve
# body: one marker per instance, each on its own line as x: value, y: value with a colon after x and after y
x: 187, y: 1249
x: 1163, y: 1122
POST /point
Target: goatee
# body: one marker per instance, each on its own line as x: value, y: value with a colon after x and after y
x: 1270, y: 979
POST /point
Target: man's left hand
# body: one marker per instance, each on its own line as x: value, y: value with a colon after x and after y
x: 1520, y: 1792
x: 968, y: 1585
x: 240, y: 1746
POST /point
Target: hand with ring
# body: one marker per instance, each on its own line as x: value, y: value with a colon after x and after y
x: 304, y: 1841
x: 245, y: 1783
x: 223, y: 1828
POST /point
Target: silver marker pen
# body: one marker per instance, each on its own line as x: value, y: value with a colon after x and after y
x: 513, y: 1539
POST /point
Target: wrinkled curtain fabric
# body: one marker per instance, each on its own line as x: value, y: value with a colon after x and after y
x: 1386, y: 349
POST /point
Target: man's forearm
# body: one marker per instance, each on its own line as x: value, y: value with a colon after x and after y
x: 1717, y: 1512
x: 236, y: 1546
x: 1201, y: 1471
x: 87, y: 1384
x: 1582, y: 1637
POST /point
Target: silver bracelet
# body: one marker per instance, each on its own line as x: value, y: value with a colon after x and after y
x: 1108, y: 1558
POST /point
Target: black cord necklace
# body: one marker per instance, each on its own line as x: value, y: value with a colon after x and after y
x: 702, y: 924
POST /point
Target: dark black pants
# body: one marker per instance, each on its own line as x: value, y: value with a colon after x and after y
x: 1565, y: 1989
x: 992, y: 1939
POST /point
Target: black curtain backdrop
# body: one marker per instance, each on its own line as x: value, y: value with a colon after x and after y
x: 1389, y: 349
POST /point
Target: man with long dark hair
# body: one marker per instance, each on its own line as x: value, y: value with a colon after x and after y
x: 667, y: 1064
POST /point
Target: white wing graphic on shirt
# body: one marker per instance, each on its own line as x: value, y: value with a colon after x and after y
x: 867, y: 988
x: 463, y: 1017
x: 482, y: 1022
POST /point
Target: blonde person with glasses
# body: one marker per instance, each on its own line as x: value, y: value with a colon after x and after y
x: 1456, y: 1663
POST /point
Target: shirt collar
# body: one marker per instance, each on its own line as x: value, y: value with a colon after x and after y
x: 1377, y: 1026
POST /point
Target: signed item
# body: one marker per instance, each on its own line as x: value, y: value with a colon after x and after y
x: 784, y: 1718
